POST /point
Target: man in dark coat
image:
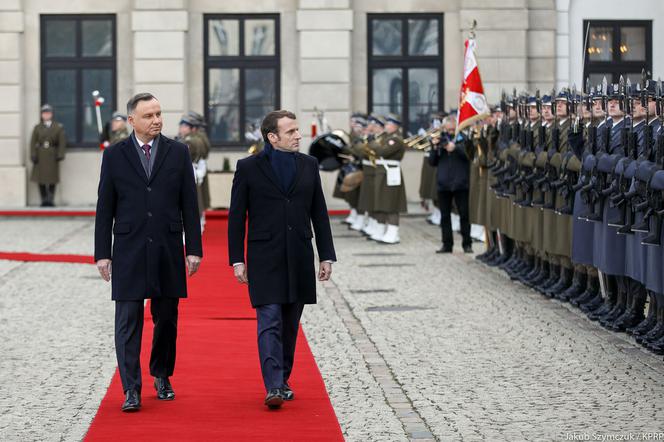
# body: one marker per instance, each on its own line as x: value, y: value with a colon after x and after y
x: 146, y: 198
x: 280, y: 191
x: 450, y: 156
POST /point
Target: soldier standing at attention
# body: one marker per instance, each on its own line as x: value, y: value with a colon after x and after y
x: 47, y: 149
x: 389, y: 190
x: 188, y: 135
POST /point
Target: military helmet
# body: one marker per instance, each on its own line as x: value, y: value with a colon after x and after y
x: 118, y: 116
x: 46, y: 108
x: 376, y: 119
x: 189, y: 120
x: 394, y: 119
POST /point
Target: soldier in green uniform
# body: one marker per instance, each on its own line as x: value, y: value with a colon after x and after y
x: 428, y: 189
x: 47, y: 148
x: 358, y: 127
x: 188, y: 135
x: 118, y: 128
x: 207, y: 147
x: 389, y: 189
x: 366, y: 202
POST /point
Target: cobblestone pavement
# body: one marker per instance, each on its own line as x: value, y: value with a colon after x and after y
x: 412, y: 345
x: 56, y: 331
x: 442, y: 347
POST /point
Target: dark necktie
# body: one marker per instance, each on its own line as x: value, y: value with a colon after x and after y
x: 146, y: 149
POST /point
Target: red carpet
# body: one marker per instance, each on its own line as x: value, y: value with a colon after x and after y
x: 44, y: 257
x: 218, y: 386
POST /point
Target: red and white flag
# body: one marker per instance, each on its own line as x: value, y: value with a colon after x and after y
x: 472, y: 102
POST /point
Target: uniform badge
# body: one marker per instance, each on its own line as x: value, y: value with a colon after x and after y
x: 391, y: 142
x: 47, y: 144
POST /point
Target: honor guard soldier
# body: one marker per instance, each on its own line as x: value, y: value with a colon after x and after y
x: 199, y: 129
x: 47, y: 148
x: 428, y: 189
x: 366, y: 202
x: 358, y: 129
x: 389, y: 190
x: 188, y: 135
x: 118, y: 130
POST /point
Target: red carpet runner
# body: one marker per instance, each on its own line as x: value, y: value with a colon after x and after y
x: 217, y: 382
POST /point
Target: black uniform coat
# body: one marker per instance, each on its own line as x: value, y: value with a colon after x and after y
x: 147, y: 217
x: 280, y: 257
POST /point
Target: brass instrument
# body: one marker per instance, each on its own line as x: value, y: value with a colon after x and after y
x: 255, y: 148
x: 423, y: 142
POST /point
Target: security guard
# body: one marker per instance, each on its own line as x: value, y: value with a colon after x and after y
x: 389, y: 188
x: 47, y: 148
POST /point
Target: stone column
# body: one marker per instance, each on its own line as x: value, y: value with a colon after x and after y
x: 160, y: 28
x: 541, y: 45
x: 562, y: 45
x: 12, y: 139
x: 324, y: 29
x: 502, y: 49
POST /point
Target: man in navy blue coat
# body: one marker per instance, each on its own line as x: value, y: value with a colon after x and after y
x: 146, y: 199
x: 279, y: 191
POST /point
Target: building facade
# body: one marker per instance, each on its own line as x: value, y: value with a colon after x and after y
x: 233, y: 61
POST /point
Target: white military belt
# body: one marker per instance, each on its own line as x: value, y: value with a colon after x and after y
x: 367, y: 163
x: 383, y: 162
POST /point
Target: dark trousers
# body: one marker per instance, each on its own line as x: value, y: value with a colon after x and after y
x: 47, y: 193
x: 128, y: 333
x: 277, y: 333
x: 460, y: 198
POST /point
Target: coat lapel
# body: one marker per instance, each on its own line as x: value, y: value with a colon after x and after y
x: 298, y: 171
x: 266, y: 168
x: 162, y: 151
x: 132, y: 156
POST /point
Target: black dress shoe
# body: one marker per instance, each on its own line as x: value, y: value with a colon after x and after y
x: 274, y: 399
x: 132, y: 401
x: 164, y: 390
x: 467, y: 249
x: 287, y: 392
x: 444, y: 250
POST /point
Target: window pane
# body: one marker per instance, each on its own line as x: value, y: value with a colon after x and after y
x: 97, y: 38
x: 387, y: 91
x: 260, y: 99
x: 600, y: 44
x: 61, y: 94
x: 422, y: 96
x: 224, y: 37
x: 634, y: 78
x: 386, y: 37
x: 259, y: 37
x: 633, y: 43
x: 223, y: 104
x: 423, y: 37
x: 224, y: 86
x: 102, y: 81
x: 60, y: 38
x: 224, y: 123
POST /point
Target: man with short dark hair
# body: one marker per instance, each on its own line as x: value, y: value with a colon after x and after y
x: 280, y: 191
x: 146, y: 199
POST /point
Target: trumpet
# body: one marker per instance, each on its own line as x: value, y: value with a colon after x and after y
x: 423, y: 142
x: 255, y: 148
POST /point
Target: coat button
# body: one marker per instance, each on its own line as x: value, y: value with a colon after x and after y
x: 149, y: 239
x: 149, y: 189
x: 149, y: 214
x: 290, y: 228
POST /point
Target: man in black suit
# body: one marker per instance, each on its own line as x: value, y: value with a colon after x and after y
x: 146, y: 198
x: 280, y: 191
x: 449, y: 156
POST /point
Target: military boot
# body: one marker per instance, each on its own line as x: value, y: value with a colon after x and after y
x: 620, y: 306
x: 531, y: 263
x: 541, y: 276
x: 596, y: 300
x: 650, y: 320
x: 578, y: 287
x: 554, y: 275
x: 656, y: 341
x: 609, y: 301
x: 657, y: 331
x: 565, y: 280
x: 633, y: 314
x: 537, y: 264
